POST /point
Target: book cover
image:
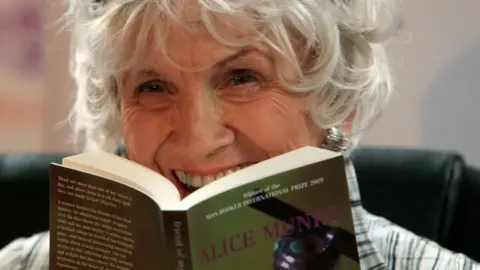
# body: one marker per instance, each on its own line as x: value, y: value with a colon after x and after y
x: 300, y: 219
x: 295, y: 219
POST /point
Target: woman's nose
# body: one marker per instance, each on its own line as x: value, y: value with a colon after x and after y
x: 200, y: 129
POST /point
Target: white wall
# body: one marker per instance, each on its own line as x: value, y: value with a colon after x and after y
x: 21, y: 76
x: 437, y: 64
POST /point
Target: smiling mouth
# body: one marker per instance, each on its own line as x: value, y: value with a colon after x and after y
x: 191, y: 182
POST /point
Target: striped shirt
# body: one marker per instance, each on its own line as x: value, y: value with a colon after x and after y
x: 381, y: 245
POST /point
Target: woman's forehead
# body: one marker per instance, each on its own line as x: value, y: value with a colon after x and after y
x: 191, y: 47
x: 209, y: 55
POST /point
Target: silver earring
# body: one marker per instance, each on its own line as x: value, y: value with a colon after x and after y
x: 335, y: 140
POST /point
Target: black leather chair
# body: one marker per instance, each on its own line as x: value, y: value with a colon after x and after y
x: 435, y: 194
x: 432, y: 193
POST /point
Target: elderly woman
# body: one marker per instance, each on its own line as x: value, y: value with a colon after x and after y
x: 200, y: 85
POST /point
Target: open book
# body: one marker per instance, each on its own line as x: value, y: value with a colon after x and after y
x: 288, y: 212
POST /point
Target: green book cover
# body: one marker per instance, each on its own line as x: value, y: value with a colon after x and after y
x: 290, y: 212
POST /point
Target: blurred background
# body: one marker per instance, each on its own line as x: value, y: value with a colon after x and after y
x: 436, y: 62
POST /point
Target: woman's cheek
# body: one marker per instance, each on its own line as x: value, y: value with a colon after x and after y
x: 276, y: 122
x: 144, y: 133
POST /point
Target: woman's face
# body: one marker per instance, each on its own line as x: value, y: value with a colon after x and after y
x: 230, y: 111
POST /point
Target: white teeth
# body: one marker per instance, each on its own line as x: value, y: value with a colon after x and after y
x: 200, y: 181
x: 209, y: 179
x: 196, y: 181
x: 181, y: 176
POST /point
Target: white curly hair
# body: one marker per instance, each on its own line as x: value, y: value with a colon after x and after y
x: 336, y: 46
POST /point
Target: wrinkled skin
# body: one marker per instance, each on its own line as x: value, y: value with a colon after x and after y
x: 231, y: 110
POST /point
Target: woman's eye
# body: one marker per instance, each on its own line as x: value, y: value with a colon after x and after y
x: 155, y: 94
x: 151, y: 86
x: 239, y: 77
x: 241, y: 84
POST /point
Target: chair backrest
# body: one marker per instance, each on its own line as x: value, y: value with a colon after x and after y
x: 24, y: 194
x: 434, y: 194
